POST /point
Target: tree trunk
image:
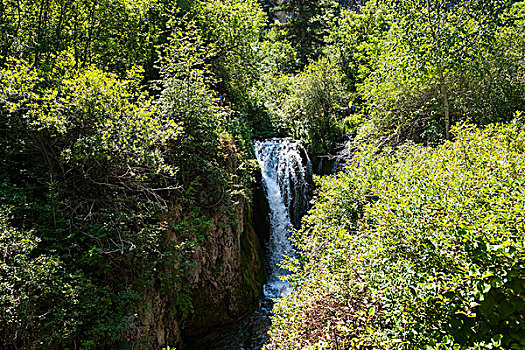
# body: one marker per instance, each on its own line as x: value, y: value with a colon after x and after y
x: 446, y: 104
x: 447, y: 116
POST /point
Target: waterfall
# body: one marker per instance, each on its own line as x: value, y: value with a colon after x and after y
x: 286, y: 176
x: 286, y: 172
x: 344, y: 154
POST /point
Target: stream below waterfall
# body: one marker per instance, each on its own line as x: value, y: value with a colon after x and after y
x: 286, y: 175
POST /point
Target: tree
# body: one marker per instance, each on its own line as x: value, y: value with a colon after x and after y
x: 114, y: 34
x: 306, y: 25
x: 433, y: 57
x: 355, y: 37
x: 234, y: 29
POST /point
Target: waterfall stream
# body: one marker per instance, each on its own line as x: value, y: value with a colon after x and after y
x: 286, y: 175
x: 344, y: 154
x: 285, y: 169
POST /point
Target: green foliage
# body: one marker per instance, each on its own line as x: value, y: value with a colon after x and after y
x: 115, y: 35
x: 93, y: 167
x: 355, y: 38
x: 417, y: 248
x: 277, y: 61
x: 442, y: 63
x: 233, y: 28
x: 303, y: 104
x: 318, y: 91
x: 350, y: 124
x: 86, y: 165
x: 111, y: 189
x: 414, y: 68
x: 34, y: 288
x: 184, y: 236
x: 187, y: 98
x: 276, y: 56
x: 306, y: 25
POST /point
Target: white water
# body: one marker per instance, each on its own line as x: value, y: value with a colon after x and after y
x: 285, y: 175
x: 344, y: 155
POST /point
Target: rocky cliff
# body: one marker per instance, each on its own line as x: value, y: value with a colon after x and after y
x: 229, y: 272
x: 224, y: 272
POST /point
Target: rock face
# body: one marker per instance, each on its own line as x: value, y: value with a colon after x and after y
x: 225, y: 282
x: 220, y: 278
x: 157, y: 323
x: 229, y: 272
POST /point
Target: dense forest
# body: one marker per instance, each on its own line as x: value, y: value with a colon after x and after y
x: 127, y: 132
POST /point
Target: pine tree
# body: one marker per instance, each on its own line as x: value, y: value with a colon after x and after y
x: 306, y: 24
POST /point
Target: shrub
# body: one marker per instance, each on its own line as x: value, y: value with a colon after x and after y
x: 424, y: 247
x: 85, y: 166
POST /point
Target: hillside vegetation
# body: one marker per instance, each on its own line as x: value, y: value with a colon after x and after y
x: 112, y: 151
x: 415, y: 248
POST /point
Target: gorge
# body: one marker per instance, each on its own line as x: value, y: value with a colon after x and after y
x: 286, y: 177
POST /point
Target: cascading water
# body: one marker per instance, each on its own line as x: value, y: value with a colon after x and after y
x: 286, y: 175
x: 286, y: 170
x: 344, y: 154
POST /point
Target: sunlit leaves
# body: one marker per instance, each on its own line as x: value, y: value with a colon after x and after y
x: 232, y: 29
x: 443, y: 62
x: 430, y: 239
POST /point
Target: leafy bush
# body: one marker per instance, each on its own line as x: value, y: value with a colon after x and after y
x: 86, y: 167
x: 35, y: 290
x: 303, y: 104
x: 414, y: 248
